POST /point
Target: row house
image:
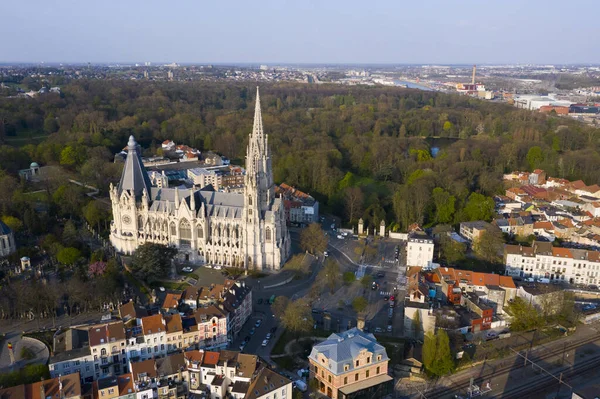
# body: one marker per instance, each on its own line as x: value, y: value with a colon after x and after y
x: 212, y: 327
x: 72, y: 354
x: 542, y: 260
x: 154, y: 329
x: 472, y: 231
x: 67, y: 386
x: 419, y: 249
x: 120, y: 387
x: 107, y: 345
x: 496, y: 290
x: 227, y: 374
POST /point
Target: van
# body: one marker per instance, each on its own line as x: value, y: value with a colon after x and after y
x: 301, y: 385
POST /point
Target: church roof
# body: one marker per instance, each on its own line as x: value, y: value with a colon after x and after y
x: 224, y: 205
x: 4, y: 229
x: 134, y: 177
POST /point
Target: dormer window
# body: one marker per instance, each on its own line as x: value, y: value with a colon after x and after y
x: 357, y: 362
x: 378, y: 358
x: 346, y: 367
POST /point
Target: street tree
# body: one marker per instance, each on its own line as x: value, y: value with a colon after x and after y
x: 366, y: 281
x: 349, y: 278
x: 297, y: 317
x: 359, y: 304
x: 524, y: 315
x: 313, y: 239
x: 151, y: 261
x: 330, y: 274
x: 279, y: 306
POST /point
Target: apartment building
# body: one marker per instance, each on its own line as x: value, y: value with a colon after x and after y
x: 542, y: 260
x: 154, y: 329
x: 212, y: 327
x: 300, y: 208
x: 473, y: 230
x: 419, y: 249
x: 72, y: 354
x: 107, y: 344
x: 351, y: 365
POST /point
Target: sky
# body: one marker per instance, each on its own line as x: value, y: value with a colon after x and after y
x: 301, y: 31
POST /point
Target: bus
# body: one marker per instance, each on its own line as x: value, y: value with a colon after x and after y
x: 272, y: 299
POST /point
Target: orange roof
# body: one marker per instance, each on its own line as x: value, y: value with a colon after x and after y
x: 144, y: 368
x: 194, y: 356
x: 174, y: 323
x: 125, y: 384
x: 579, y: 184
x: 562, y: 252
x: 211, y: 358
x: 592, y: 189
x: 566, y: 222
x: 153, y: 324
x: 71, y: 386
x: 476, y: 278
x: 171, y: 300
x: 543, y: 225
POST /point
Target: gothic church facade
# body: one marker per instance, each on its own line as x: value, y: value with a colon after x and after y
x: 207, y: 227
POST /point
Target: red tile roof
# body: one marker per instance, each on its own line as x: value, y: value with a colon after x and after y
x: 153, y: 324
x: 210, y: 358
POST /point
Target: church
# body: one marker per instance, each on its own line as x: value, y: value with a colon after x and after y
x: 246, y: 230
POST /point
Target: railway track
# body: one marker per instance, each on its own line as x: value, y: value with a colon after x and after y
x: 455, y: 388
x: 545, y: 380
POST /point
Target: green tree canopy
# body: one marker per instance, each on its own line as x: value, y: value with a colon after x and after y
x: 68, y: 256
x: 437, y: 356
x: 151, y: 262
x: 479, y: 207
x: 489, y: 245
x: 444, y: 205
x: 15, y: 224
x: 359, y: 304
x: 279, y: 306
x: 525, y: 316
x: 535, y: 156
x: 297, y: 317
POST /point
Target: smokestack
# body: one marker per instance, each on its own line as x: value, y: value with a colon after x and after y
x: 473, y: 77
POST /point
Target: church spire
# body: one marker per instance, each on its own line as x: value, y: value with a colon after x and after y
x: 257, y: 129
x: 134, y: 177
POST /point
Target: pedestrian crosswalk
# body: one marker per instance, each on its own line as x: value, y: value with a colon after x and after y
x: 385, y: 293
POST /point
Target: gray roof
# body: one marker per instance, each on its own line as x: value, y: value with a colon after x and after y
x: 229, y: 205
x: 4, y: 229
x: 134, y: 177
x: 341, y: 349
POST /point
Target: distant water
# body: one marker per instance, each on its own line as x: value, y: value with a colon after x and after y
x: 411, y: 85
x: 435, y: 151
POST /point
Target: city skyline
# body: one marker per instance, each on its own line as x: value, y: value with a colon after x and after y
x: 306, y: 33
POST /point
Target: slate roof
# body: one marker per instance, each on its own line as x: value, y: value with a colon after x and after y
x: 4, y: 229
x: 171, y: 364
x: 341, y: 349
x: 134, y: 177
x: 265, y: 382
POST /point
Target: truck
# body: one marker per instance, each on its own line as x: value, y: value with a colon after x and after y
x: 301, y: 385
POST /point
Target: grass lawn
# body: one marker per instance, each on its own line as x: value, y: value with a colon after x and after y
x: 170, y: 285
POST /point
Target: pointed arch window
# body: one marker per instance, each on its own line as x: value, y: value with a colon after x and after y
x: 268, y: 234
x: 140, y: 222
x: 173, y: 229
x: 249, y: 200
x: 185, y: 231
x: 200, y: 231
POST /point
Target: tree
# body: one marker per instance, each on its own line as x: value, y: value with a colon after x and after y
x: 151, y: 261
x: 417, y: 326
x: 97, y: 268
x: 70, y: 233
x: 68, y: 156
x: 93, y: 214
x: 330, y: 274
x: 535, y: 157
x: 437, y: 357
x: 479, y: 207
x: 489, y: 245
x: 349, y: 278
x: 452, y: 251
x: 298, y: 264
x: 444, y: 205
x: 524, y: 315
x: 366, y: 281
x: 297, y: 317
x: 279, y: 306
x: 68, y: 256
x: 313, y: 239
x: 359, y: 304
x: 353, y: 201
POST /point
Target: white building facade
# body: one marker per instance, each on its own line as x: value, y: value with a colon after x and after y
x: 419, y: 251
x: 230, y: 229
x: 577, y: 266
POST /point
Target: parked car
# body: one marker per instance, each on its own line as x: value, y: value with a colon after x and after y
x: 258, y: 322
x: 252, y: 331
x: 260, y: 301
x: 217, y: 267
x: 386, y: 298
x: 242, y: 346
x: 325, y: 254
x: 187, y: 269
x: 162, y: 289
x: 316, y: 311
x: 381, y: 274
x: 389, y: 328
x: 340, y: 237
x: 378, y: 330
x: 374, y: 286
x: 265, y: 342
x: 268, y: 336
x: 208, y: 266
x: 273, y: 329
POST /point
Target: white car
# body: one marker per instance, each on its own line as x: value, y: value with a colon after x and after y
x: 217, y: 267
x: 268, y: 336
x: 345, y: 234
x: 187, y: 269
x: 208, y: 266
x: 162, y: 289
x: 265, y: 342
x: 378, y: 330
x: 325, y: 254
x: 340, y: 237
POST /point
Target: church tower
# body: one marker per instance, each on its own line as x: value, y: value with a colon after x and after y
x: 259, y: 174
